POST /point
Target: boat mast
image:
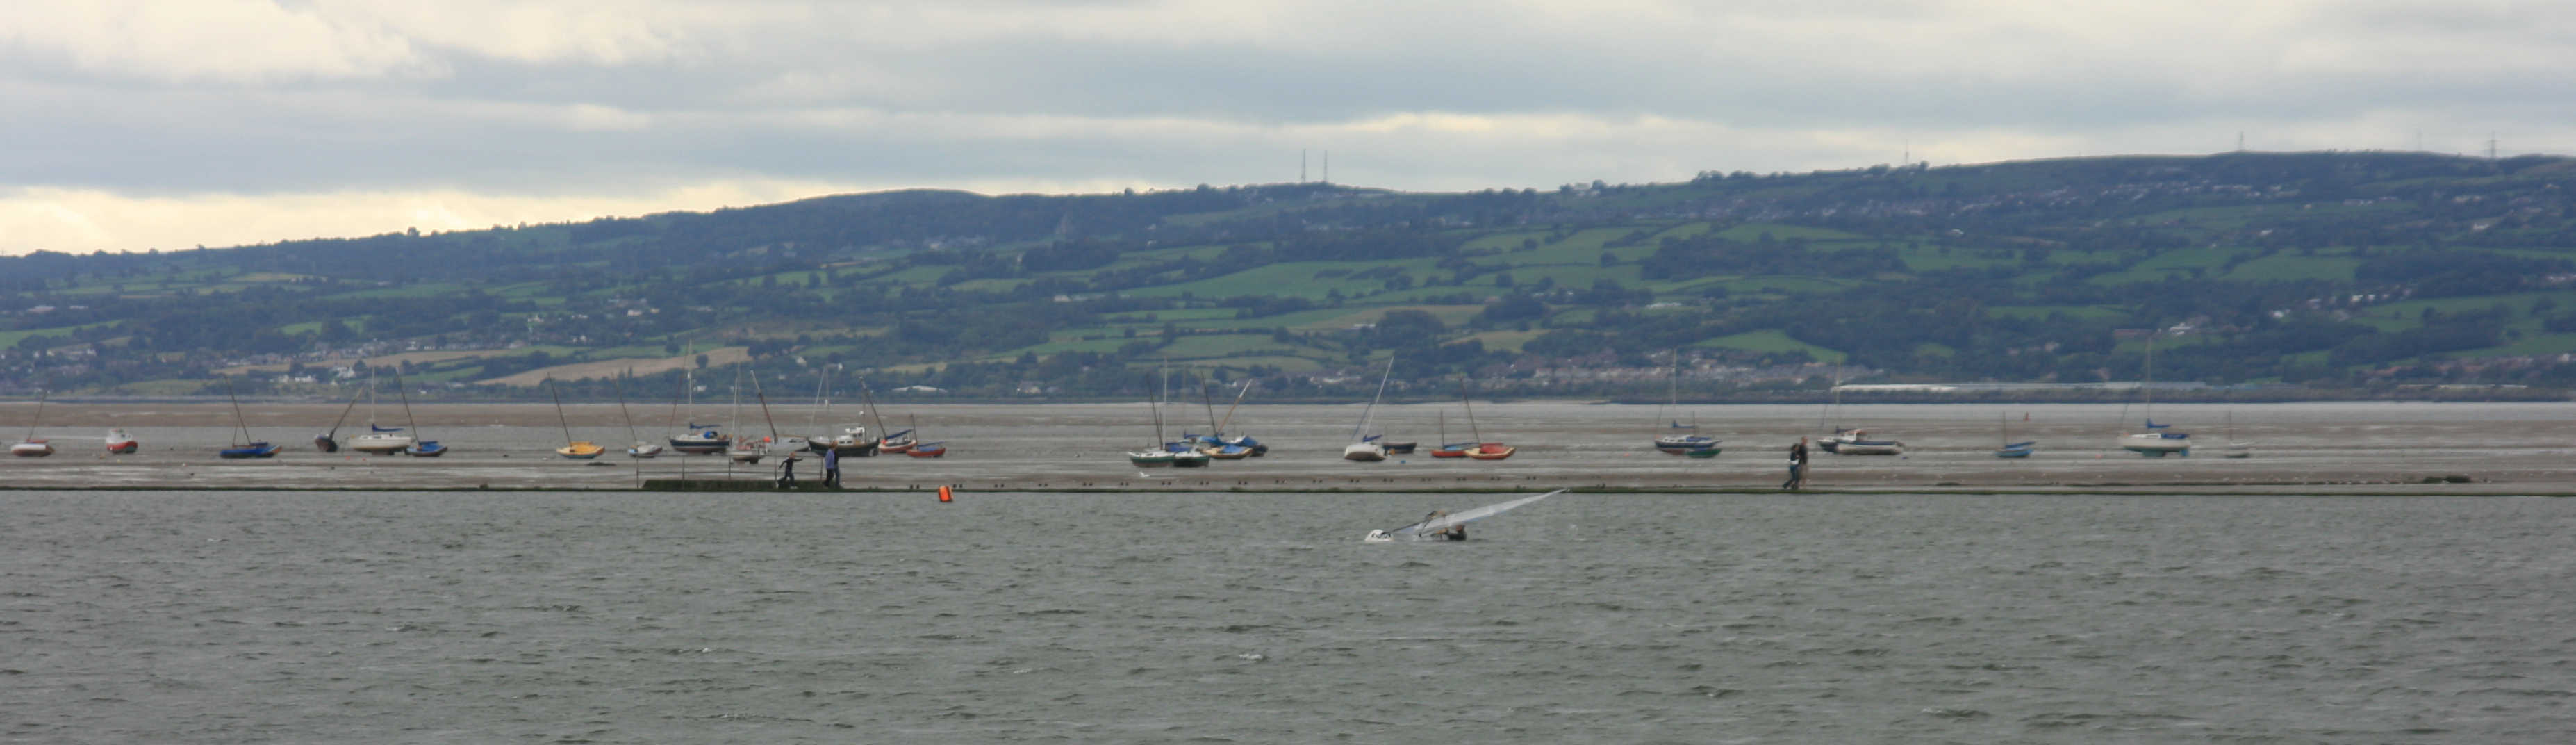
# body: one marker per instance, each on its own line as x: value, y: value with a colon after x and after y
x: 1463, y: 400
x: 1213, y: 428
x: 408, y: 421
x: 559, y: 412
x: 344, y: 416
x: 822, y: 382
x: 238, y: 422
x: 1229, y: 409
x: 40, y: 414
x: 868, y: 396
x: 620, y: 383
x: 687, y: 383
x: 764, y: 408
x: 1362, y: 431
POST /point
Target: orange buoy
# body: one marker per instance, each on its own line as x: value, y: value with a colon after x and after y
x: 943, y: 493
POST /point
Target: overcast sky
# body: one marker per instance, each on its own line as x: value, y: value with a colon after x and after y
x: 136, y: 124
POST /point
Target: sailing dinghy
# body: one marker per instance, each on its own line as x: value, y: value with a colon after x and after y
x: 1434, y: 527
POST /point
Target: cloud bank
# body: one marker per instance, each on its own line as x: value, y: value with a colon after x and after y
x: 164, y: 123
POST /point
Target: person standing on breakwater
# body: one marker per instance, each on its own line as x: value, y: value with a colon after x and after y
x: 787, y: 472
x: 1797, y: 466
x: 831, y: 468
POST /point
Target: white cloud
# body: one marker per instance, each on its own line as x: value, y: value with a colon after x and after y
x: 193, y: 41
x: 159, y: 118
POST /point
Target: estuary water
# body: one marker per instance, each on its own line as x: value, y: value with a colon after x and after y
x: 1262, y: 618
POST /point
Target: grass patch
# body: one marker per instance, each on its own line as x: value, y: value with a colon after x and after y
x: 1771, y: 341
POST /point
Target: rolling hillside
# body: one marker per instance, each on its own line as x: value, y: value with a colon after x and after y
x: 2346, y: 271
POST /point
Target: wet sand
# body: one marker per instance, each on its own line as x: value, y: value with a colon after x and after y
x: 2357, y: 448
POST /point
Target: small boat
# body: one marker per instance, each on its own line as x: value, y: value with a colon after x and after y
x: 1444, y: 526
x: 2236, y: 449
x: 33, y: 447
x: 748, y: 449
x: 2011, y: 449
x: 1858, y: 442
x: 854, y: 441
x: 418, y: 448
x: 1483, y: 450
x: 120, y: 443
x: 1685, y: 444
x: 897, y: 442
x: 1447, y: 449
x: 1226, y: 447
x: 574, y: 449
x: 927, y: 450
x: 1365, y: 447
x: 243, y: 447
x: 702, y: 439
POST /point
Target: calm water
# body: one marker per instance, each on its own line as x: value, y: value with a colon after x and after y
x: 393, y: 617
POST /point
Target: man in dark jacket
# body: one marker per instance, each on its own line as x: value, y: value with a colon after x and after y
x: 1797, y: 466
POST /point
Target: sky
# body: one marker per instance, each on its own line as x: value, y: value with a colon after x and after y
x: 161, y: 124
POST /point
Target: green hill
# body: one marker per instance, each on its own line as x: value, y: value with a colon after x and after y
x: 2345, y: 270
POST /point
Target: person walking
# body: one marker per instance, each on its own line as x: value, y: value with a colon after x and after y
x: 787, y: 472
x: 1797, y: 466
x: 831, y: 468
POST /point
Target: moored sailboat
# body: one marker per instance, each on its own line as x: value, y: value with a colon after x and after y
x: 2008, y: 448
x: 243, y: 446
x: 418, y: 448
x: 574, y: 449
x: 1155, y: 454
x: 378, y: 440
x: 2236, y: 449
x: 1365, y: 447
x: 640, y: 448
x: 2155, y: 442
x: 33, y: 447
x: 1680, y: 442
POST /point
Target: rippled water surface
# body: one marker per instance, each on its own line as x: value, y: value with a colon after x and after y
x: 592, y: 617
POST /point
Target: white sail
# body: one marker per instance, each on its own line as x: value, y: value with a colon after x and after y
x: 1461, y: 517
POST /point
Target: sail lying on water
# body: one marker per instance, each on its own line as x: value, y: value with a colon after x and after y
x: 1462, y: 517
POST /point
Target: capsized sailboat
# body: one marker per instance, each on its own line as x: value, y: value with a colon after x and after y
x: 1451, y: 526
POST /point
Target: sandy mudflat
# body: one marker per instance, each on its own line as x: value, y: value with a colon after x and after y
x: 2307, y: 448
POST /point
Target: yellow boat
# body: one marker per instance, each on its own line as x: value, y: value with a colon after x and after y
x: 580, y: 450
